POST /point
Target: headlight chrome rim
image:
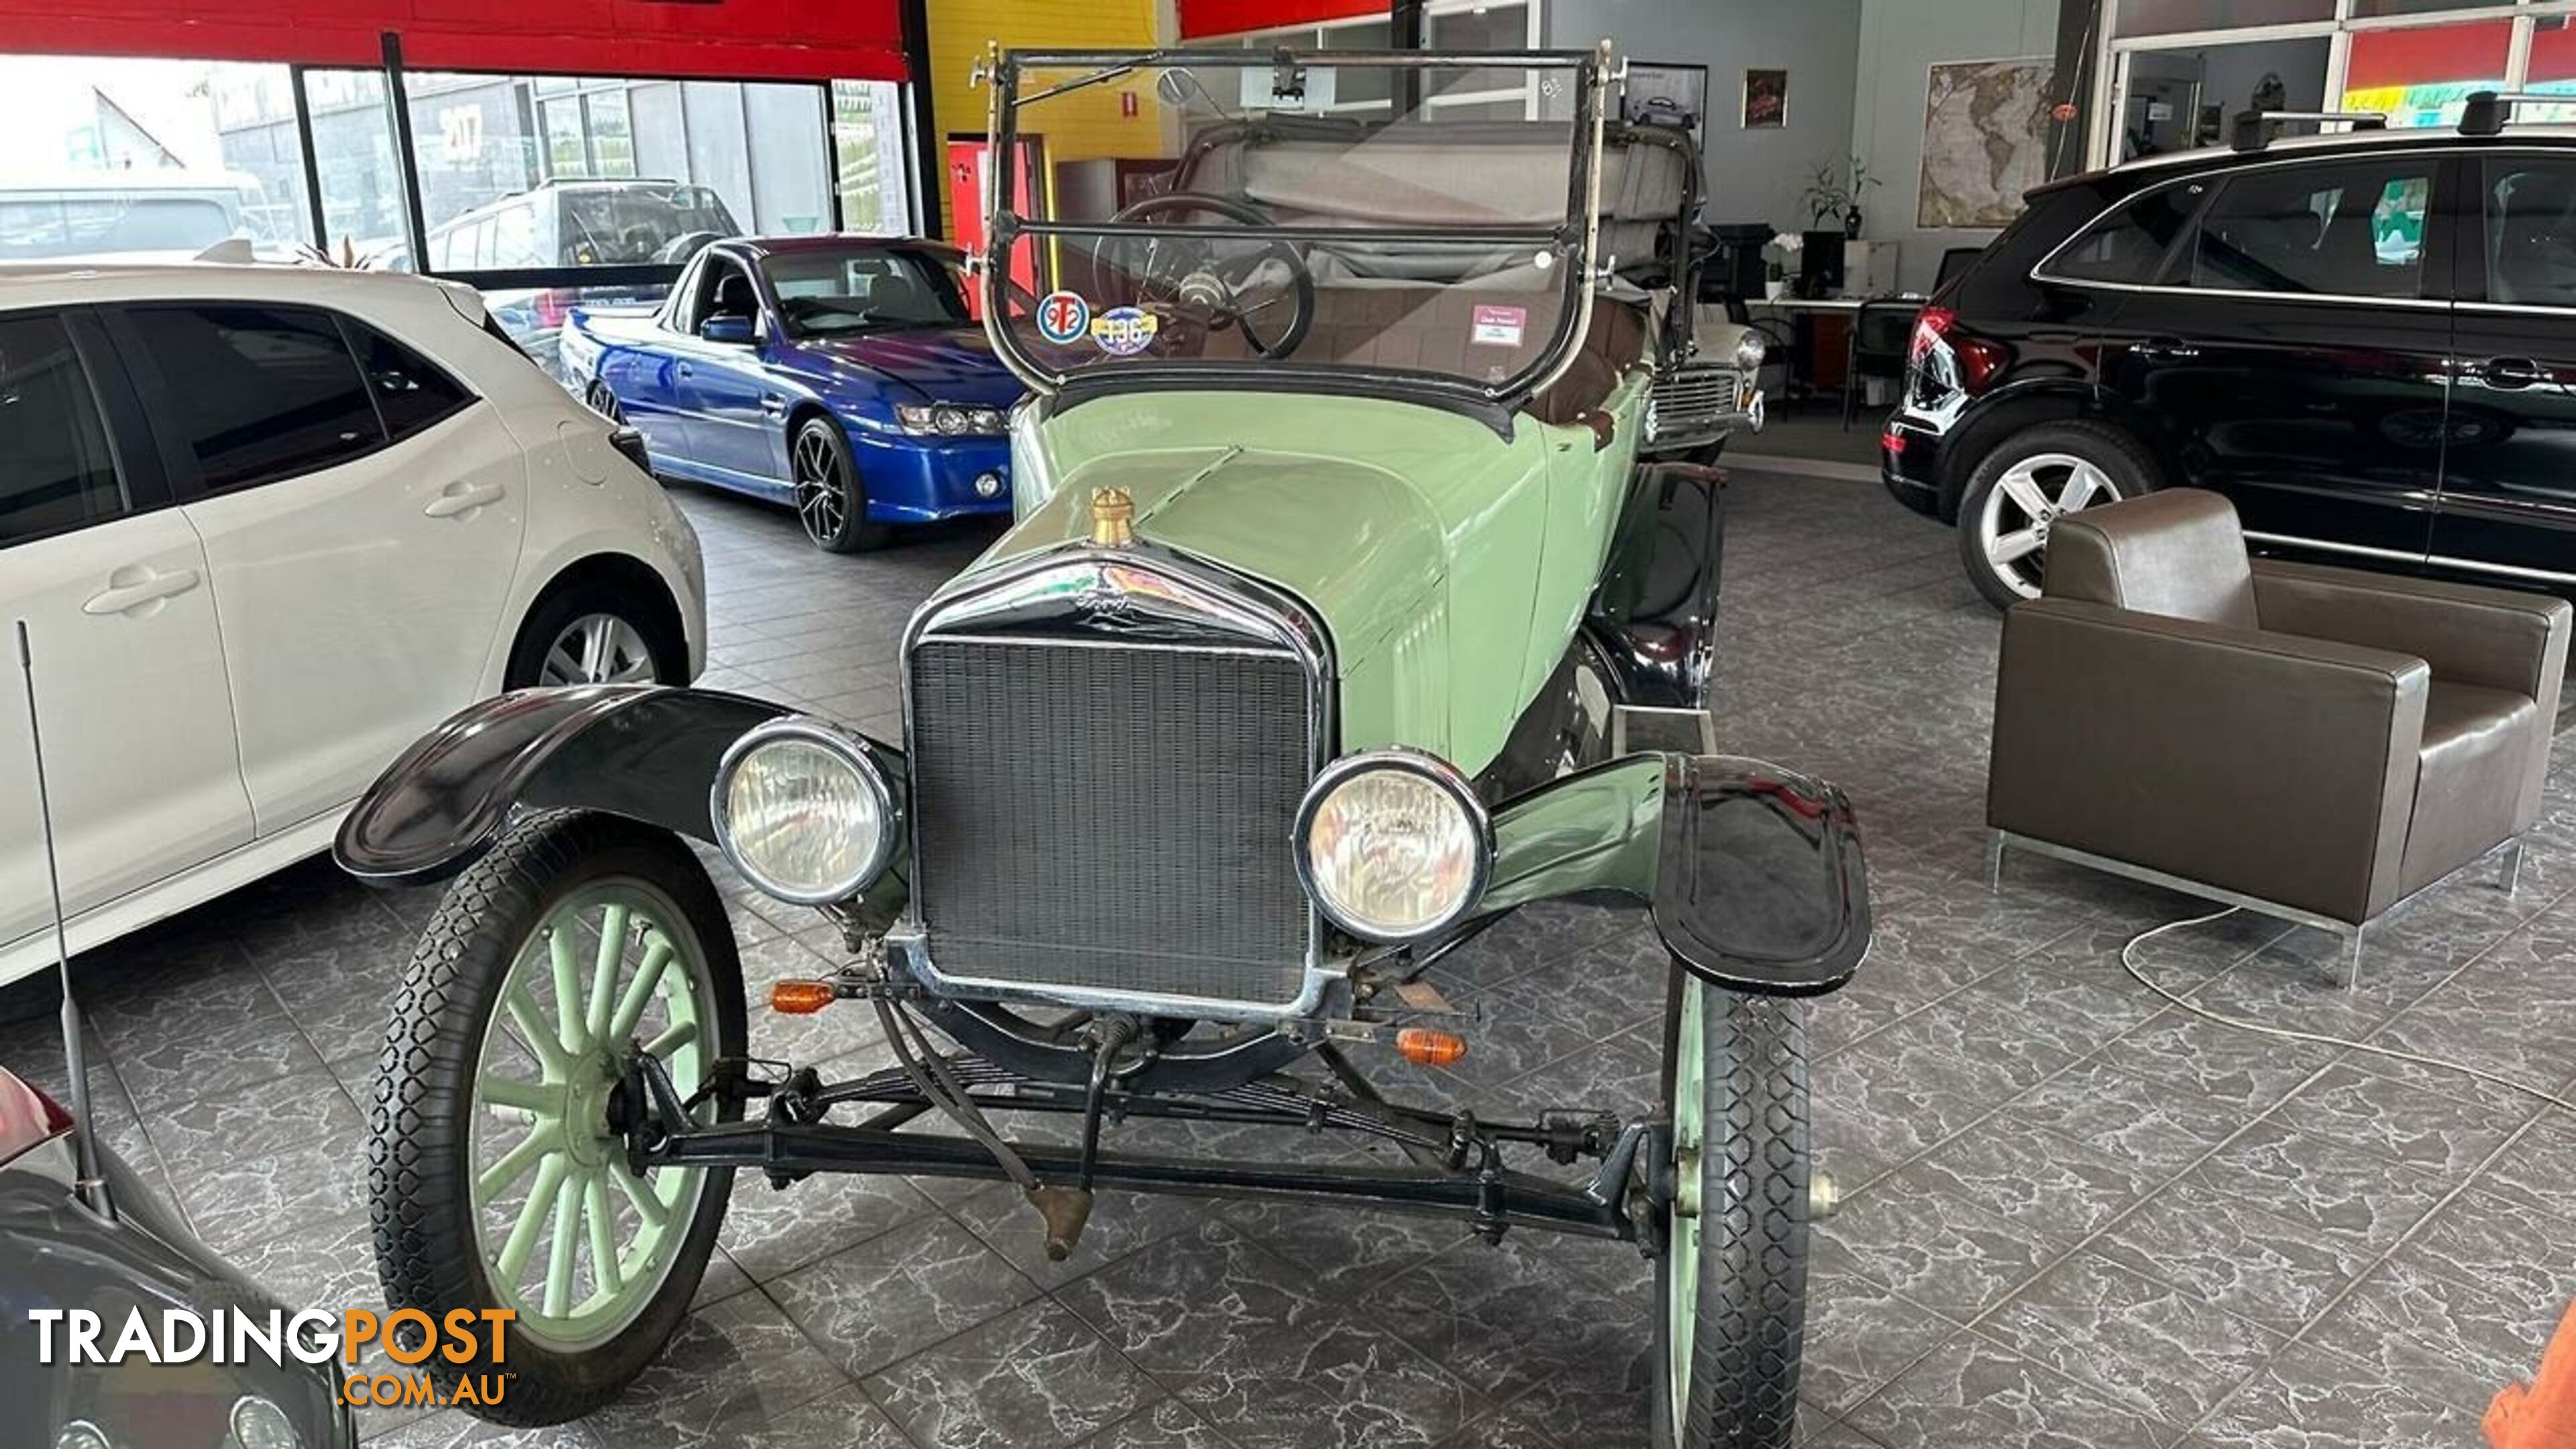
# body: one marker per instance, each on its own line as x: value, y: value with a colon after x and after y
x: 850, y: 747
x: 1425, y: 765
x: 1751, y: 351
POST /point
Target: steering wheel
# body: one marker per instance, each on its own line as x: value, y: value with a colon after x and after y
x: 1185, y: 276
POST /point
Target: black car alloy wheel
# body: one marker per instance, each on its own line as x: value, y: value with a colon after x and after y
x: 829, y: 500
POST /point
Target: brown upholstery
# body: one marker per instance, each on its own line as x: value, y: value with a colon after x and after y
x: 2176, y: 553
x: 2316, y: 738
x: 1432, y: 329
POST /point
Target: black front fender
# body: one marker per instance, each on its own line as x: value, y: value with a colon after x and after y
x: 640, y: 751
x: 1753, y: 873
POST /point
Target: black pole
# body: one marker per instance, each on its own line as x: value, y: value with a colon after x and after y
x: 929, y: 160
x: 832, y: 150
x: 406, y: 160
x: 1408, y: 28
x: 312, y: 161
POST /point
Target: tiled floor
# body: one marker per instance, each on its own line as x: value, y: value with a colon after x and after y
x: 2074, y: 1218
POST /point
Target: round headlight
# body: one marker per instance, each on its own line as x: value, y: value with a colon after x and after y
x: 988, y: 420
x: 259, y: 1424
x: 1750, y: 349
x: 81, y: 1434
x: 953, y: 420
x: 1393, y: 845
x: 803, y: 811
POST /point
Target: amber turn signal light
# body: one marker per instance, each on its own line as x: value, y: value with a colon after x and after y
x: 1424, y: 1047
x: 801, y: 998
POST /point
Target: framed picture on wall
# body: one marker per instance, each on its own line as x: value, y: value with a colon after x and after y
x: 1766, y: 99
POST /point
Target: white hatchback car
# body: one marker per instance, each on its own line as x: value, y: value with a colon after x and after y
x: 265, y: 526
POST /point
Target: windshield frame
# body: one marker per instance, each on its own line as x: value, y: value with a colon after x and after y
x: 1573, y: 239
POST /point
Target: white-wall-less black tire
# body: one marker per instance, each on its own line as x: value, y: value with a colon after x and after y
x: 493, y: 1179
x: 2024, y: 486
x: 1731, y: 1280
x: 831, y: 499
x: 590, y: 633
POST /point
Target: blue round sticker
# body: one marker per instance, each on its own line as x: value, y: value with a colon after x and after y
x: 1125, y: 331
x: 1063, y: 317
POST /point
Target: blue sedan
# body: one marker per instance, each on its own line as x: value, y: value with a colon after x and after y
x: 841, y: 374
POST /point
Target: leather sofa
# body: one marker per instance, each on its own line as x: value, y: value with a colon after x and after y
x: 2317, y: 742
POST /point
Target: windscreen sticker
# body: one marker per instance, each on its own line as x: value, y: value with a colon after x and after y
x: 1499, y: 326
x: 1063, y: 317
x: 1125, y: 331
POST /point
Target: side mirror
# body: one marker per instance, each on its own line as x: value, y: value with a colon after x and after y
x: 728, y: 328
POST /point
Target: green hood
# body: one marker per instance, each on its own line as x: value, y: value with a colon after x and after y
x: 1414, y: 534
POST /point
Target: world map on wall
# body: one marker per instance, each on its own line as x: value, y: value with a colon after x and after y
x: 1985, y: 141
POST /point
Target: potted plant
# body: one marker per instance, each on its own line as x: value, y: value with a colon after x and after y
x: 1833, y: 193
x: 1785, y: 246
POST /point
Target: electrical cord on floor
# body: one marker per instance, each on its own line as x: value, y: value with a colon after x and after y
x: 2129, y: 963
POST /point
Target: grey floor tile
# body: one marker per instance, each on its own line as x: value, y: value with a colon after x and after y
x: 1034, y: 1378
x: 2447, y: 1340
x: 899, y: 1292
x: 2223, y: 1249
x: 2152, y: 1124
x: 2051, y: 1186
x: 260, y: 1161
x: 1505, y: 1317
x: 1941, y: 1252
x: 2311, y: 1399
x: 732, y: 1366
x: 1169, y: 1424
x: 770, y: 1232
x: 1969, y: 1391
x: 2147, y: 1346
x: 2339, y: 1192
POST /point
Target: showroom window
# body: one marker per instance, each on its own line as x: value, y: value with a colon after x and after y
x: 56, y: 472
x: 1455, y: 94
x: 257, y: 393
x: 411, y: 392
x: 2352, y: 230
x: 2531, y: 231
x: 2130, y: 245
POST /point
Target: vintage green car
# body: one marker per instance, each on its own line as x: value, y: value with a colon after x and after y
x: 1336, y: 618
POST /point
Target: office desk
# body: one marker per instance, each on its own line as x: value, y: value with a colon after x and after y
x: 1820, y: 335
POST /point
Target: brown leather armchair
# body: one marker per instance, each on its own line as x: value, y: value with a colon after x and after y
x: 2316, y: 743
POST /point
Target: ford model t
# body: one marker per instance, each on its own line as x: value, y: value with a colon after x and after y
x: 1335, y: 620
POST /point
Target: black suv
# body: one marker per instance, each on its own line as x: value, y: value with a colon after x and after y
x: 2366, y: 340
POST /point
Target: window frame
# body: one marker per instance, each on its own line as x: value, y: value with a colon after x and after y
x: 2472, y: 285
x: 177, y: 453
x: 351, y: 327
x: 132, y: 449
x: 2439, y: 270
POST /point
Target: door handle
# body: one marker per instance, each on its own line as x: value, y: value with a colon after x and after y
x: 2163, y: 349
x: 464, y: 498
x: 773, y: 405
x: 2509, y: 374
x: 136, y: 587
x: 684, y: 370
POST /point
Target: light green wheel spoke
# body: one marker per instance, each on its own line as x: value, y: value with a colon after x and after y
x: 679, y: 1034
x: 639, y: 992
x: 514, y: 1164
x: 560, y: 1254
x: 530, y: 1019
x: 567, y: 987
x: 569, y: 1002
x: 603, y: 1234
x: 649, y: 1207
x: 603, y: 972
x: 532, y: 1217
x: 500, y: 1091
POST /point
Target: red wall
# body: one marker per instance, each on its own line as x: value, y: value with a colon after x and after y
x: 1226, y: 17
x: 767, y: 39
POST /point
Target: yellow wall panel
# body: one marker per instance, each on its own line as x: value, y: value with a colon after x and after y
x: 1085, y: 124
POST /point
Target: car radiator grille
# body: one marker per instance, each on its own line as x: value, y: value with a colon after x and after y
x: 1690, y: 399
x: 1111, y: 818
